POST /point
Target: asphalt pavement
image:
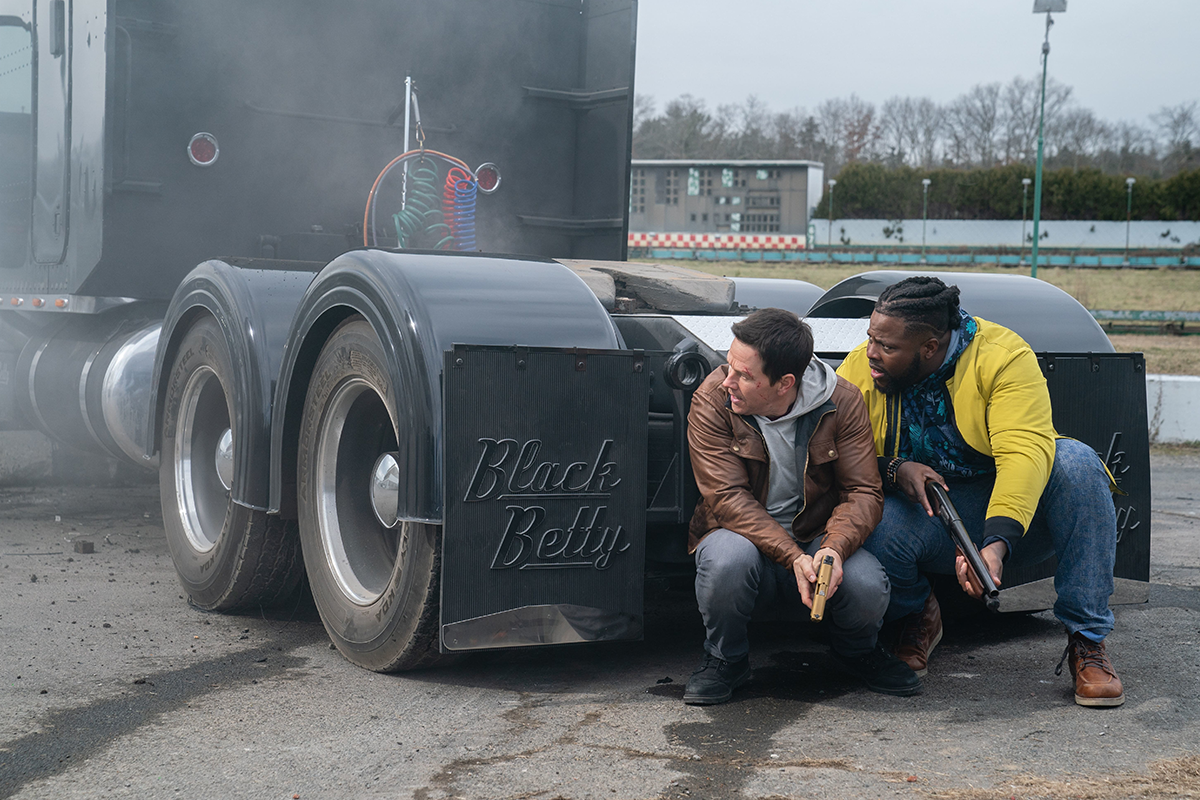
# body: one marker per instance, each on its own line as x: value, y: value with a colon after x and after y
x: 112, y: 686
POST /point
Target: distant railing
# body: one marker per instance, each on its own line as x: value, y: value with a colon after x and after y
x: 937, y: 234
x: 1125, y: 321
x: 942, y: 242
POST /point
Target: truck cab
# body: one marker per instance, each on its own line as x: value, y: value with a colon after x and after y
x: 16, y: 138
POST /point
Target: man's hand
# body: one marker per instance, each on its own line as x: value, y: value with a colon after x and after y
x: 911, y: 478
x: 806, y: 574
x: 993, y: 559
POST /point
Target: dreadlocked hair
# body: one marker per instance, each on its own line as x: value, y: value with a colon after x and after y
x: 922, y: 302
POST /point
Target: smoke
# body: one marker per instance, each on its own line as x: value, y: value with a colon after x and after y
x: 300, y: 95
x: 16, y: 50
x: 305, y: 99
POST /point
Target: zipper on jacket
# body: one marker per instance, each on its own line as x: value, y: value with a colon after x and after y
x: 766, y: 450
x: 804, y: 471
x: 891, y: 421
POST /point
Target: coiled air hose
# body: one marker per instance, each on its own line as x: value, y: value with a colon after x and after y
x: 458, y: 207
x: 422, y: 214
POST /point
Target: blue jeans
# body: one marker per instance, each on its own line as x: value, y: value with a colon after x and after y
x: 736, y: 582
x: 1075, y: 520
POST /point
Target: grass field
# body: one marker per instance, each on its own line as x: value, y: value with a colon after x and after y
x: 1165, y: 355
x: 1111, y: 289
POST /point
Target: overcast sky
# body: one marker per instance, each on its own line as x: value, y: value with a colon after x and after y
x: 1124, y: 58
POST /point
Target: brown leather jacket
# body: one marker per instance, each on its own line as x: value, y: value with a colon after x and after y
x: 843, y: 494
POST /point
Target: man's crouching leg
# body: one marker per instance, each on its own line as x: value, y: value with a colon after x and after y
x: 855, y: 615
x: 729, y: 572
x: 1077, y: 511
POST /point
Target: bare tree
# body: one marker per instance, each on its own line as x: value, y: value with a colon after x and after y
x: 644, y: 109
x: 1020, y: 113
x: 990, y: 124
x: 1177, y: 125
x: 831, y: 121
x: 897, y: 130
x: 928, y: 127
x: 1178, y: 129
x: 1078, y: 138
x: 860, y: 134
x: 788, y: 127
x: 1021, y: 104
x: 1128, y: 148
x: 685, y: 130
x: 799, y: 136
x: 746, y: 129
x: 973, y: 121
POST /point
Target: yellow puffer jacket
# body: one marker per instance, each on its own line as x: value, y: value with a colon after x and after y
x: 1001, y: 408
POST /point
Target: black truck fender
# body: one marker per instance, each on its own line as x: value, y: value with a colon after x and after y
x: 420, y: 304
x: 253, y: 306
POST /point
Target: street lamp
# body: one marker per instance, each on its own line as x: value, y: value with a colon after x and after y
x: 832, y: 183
x: 1024, y: 201
x: 1128, y: 214
x: 1048, y: 7
x: 924, y: 213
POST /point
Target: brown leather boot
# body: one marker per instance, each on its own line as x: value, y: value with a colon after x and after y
x: 1096, y: 682
x: 920, y: 632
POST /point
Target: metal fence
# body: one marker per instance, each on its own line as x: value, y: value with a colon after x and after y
x: 945, y: 242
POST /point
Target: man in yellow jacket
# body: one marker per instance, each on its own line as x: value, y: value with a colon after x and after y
x: 961, y: 401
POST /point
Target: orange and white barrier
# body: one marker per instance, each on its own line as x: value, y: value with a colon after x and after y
x: 717, y: 241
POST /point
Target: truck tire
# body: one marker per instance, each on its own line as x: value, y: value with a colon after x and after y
x: 227, y: 556
x: 376, y: 587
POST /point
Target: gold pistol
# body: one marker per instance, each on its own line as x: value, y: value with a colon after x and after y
x: 824, y: 574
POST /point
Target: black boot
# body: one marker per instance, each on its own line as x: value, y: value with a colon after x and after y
x: 715, y: 681
x: 882, y: 672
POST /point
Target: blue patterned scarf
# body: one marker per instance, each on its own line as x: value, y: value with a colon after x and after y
x: 928, y: 433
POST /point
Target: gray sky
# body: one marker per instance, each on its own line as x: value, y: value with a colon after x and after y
x: 1124, y: 58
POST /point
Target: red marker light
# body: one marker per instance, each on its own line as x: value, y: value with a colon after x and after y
x: 203, y: 150
x: 488, y: 177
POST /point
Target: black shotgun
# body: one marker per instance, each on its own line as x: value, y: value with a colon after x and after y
x: 958, y: 532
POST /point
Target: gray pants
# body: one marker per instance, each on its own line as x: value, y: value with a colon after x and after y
x: 735, y: 582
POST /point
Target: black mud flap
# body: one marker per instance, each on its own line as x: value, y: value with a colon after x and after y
x: 545, y: 496
x: 1099, y: 399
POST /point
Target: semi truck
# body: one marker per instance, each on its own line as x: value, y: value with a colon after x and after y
x: 351, y: 278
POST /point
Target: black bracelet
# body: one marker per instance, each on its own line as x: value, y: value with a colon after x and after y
x: 892, y: 468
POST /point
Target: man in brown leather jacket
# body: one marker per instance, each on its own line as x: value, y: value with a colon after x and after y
x: 785, y: 462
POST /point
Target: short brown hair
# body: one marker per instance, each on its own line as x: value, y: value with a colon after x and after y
x: 782, y: 340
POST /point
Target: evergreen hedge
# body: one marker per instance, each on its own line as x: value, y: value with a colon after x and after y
x: 873, y: 191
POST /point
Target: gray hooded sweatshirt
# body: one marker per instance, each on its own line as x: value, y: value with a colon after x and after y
x: 783, y: 493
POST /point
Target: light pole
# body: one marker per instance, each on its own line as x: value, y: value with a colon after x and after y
x: 924, y: 213
x: 1024, y: 204
x: 1048, y: 7
x: 832, y: 183
x: 1128, y: 214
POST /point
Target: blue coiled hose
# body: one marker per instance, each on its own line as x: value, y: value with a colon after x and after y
x: 462, y: 222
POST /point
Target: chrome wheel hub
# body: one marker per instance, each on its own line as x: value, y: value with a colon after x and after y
x: 385, y: 489
x: 201, y: 430
x: 356, y: 491
x: 225, y: 459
